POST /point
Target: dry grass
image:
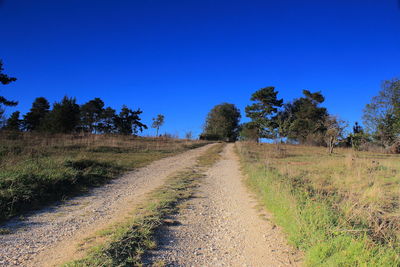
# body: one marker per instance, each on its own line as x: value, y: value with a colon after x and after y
x: 364, y: 186
x: 340, y: 209
x: 35, y: 142
x: 36, y: 169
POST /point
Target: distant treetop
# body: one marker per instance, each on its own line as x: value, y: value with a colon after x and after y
x: 5, y: 79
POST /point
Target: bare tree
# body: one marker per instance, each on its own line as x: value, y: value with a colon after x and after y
x: 335, y: 129
x: 189, y: 135
x: 158, y: 122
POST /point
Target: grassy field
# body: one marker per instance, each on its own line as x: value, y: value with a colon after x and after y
x: 37, y: 169
x: 341, y: 209
x: 123, y: 244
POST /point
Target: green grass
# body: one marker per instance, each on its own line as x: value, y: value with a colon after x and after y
x: 35, y: 170
x: 311, y: 217
x: 125, y: 243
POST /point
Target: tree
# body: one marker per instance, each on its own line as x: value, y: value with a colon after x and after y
x: 128, y: 121
x: 13, y: 123
x: 357, y: 128
x: 158, y: 122
x: 382, y: 116
x: 387, y: 131
x: 334, y: 130
x: 34, y: 119
x: 91, y: 114
x: 222, y: 123
x: 106, y: 122
x: 303, y: 120
x: 263, y: 111
x: 248, y: 132
x: 3, y: 103
x: 5, y: 79
x: 64, y: 118
x: 189, y: 135
x: 358, y: 137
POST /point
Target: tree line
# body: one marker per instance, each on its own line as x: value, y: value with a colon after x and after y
x: 302, y: 121
x: 66, y: 116
x: 305, y: 121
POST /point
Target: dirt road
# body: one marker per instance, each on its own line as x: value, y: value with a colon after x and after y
x: 222, y: 227
x: 50, y: 236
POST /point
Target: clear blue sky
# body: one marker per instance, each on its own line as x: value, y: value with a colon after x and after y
x: 180, y: 58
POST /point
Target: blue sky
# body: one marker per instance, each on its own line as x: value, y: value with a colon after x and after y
x: 180, y: 58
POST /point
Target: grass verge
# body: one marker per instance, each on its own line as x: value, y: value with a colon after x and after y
x: 123, y: 244
x: 36, y: 170
x: 313, y: 219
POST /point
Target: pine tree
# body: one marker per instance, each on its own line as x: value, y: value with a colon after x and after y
x: 13, y: 123
x: 5, y: 79
x: 91, y: 114
x: 128, y: 121
x: 36, y: 115
x: 263, y: 111
x: 64, y: 118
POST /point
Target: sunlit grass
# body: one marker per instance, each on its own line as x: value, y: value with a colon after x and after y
x: 341, y: 209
